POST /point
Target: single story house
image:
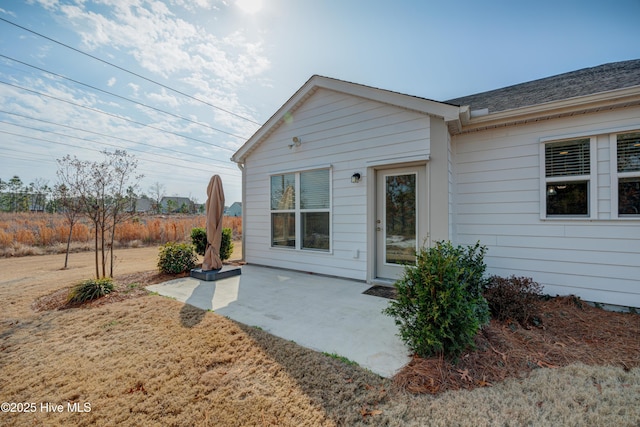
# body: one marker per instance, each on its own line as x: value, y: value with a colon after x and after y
x: 174, y: 204
x: 234, y: 210
x: 349, y: 180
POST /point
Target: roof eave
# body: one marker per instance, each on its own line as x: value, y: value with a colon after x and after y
x: 583, y: 104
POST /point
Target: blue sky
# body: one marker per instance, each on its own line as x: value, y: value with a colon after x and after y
x: 245, y: 58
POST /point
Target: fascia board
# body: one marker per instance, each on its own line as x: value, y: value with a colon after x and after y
x: 271, y: 124
x: 434, y: 108
x: 626, y: 96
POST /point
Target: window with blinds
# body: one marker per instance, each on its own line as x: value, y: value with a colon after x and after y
x: 568, y: 177
x: 628, y: 167
x: 301, y: 210
x: 567, y: 158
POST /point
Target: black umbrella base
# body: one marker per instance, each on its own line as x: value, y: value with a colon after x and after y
x: 212, y: 275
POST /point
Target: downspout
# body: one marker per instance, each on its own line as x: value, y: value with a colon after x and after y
x: 244, y: 205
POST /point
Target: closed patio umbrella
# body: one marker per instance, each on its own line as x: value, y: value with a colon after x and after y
x: 215, y: 212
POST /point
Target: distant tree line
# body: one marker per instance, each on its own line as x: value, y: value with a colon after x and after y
x: 40, y: 196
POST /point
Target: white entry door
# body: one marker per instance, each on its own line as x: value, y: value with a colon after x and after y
x: 400, y: 219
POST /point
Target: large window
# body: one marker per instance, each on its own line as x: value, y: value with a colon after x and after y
x: 301, y: 210
x: 628, y: 171
x: 568, y: 178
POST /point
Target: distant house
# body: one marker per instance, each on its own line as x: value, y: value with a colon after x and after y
x: 143, y: 204
x: 234, y: 210
x: 175, y: 204
x: 348, y: 180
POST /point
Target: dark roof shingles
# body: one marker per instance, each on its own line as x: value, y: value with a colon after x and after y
x: 583, y: 82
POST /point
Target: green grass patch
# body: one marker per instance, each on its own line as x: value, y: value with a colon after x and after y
x: 343, y: 359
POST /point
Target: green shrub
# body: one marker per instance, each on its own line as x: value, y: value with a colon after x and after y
x: 226, y: 246
x: 199, y: 240
x: 440, y: 307
x: 90, y: 289
x: 514, y: 298
x: 176, y: 258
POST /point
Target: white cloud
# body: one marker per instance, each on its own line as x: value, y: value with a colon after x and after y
x: 111, y: 82
x: 7, y: 12
x: 135, y: 88
x: 169, y: 46
x: 164, y: 98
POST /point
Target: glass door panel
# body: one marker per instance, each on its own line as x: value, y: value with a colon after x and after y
x: 400, y: 241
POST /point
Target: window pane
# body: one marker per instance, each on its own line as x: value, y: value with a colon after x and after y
x: 283, y: 192
x: 315, y: 230
x: 283, y: 229
x: 629, y: 152
x: 400, y: 219
x: 568, y: 198
x: 567, y: 158
x: 629, y: 196
x: 314, y: 189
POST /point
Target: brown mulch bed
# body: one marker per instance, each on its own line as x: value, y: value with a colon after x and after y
x: 571, y: 331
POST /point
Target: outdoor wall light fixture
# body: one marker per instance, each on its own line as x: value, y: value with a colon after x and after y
x: 355, y: 178
x: 296, y: 142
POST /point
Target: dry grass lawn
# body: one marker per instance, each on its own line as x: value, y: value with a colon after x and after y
x: 140, y: 359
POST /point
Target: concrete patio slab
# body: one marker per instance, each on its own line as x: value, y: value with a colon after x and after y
x: 321, y: 313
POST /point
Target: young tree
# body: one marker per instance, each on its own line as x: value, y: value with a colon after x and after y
x: 156, y: 193
x: 122, y: 190
x: 69, y: 204
x: 101, y: 190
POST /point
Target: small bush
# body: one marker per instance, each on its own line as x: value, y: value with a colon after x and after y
x: 90, y: 289
x: 514, y: 298
x: 199, y: 239
x: 440, y: 307
x: 175, y: 258
x: 226, y: 246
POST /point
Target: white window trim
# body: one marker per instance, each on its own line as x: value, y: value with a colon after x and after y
x: 615, y: 176
x: 591, y: 177
x: 298, y: 211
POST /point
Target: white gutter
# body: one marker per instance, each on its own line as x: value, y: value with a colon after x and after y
x: 602, y: 100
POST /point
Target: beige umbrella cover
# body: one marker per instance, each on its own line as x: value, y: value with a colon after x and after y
x: 215, y: 212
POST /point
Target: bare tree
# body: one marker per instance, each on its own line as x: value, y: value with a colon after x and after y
x: 69, y: 204
x: 156, y: 192
x: 101, y: 189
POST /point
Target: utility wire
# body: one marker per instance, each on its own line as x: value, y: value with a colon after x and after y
x: 124, y: 98
x: 113, y: 115
x: 91, y: 149
x: 99, y: 142
x: 130, y: 72
x: 108, y: 136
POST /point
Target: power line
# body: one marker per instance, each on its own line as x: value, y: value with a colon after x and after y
x: 124, y: 98
x: 93, y: 149
x: 114, y: 115
x: 107, y: 136
x: 130, y: 72
x: 98, y: 142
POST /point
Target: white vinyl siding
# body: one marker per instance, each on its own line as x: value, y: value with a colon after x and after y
x: 500, y: 182
x: 347, y: 134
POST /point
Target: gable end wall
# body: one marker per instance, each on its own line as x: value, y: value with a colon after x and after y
x: 347, y: 133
